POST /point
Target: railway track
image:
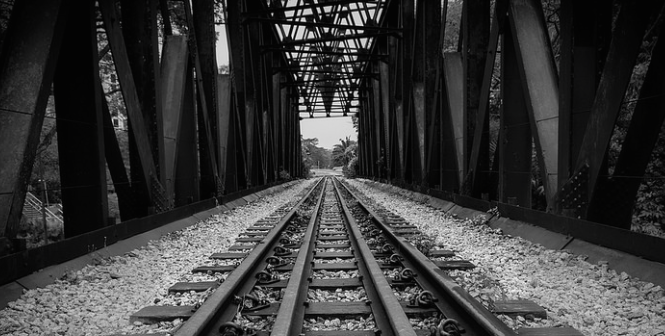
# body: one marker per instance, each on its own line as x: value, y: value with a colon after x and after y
x: 331, y: 265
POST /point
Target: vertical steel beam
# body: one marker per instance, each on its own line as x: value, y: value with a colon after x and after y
x: 399, y: 125
x: 434, y: 33
x: 116, y: 164
x: 79, y: 123
x: 27, y: 67
x: 288, y: 138
x: 454, y: 78
x: 475, y: 45
x: 624, y: 48
x: 187, y: 176
x: 480, y: 136
x: 583, y: 47
x: 233, y: 157
x: 515, y: 144
x: 386, y: 110
x: 138, y: 127
x: 403, y: 82
x: 362, y: 134
x: 450, y: 171
x: 153, y: 30
x: 539, y: 79
x: 236, y: 40
x: 174, y: 72
x: 283, y: 134
x: 210, y: 185
x: 368, y: 145
x: 361, y: 142
x: 139, y: 29
x: 250, y: 116
x: 391, y: 77
x: 379, y: 157
x: 371, y: 144
x: 266, y: 141
x: 290, y: 114
x: 223, y: 125
x: 297, y: 145
x: 253, y: 94
x: 275, y: 125
x: 241, y: 149
x: 202, y: 22
x: 614, y: 201
x: 419, y: 97
x: 592, y: 34
x: 264, y: 86
x: 565, y: 89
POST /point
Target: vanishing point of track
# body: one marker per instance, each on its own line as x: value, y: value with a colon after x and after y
x: 331, y: 265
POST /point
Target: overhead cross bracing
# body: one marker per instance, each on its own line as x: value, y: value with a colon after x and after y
x: 327, y: 45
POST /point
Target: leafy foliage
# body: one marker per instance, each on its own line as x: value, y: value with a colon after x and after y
x: 45, y: 171
x: 5, y: 11
x: 345, y: 154
x: 344, y: 151
x: 453, y: 24
x: 650, y: 203
x: 314, y: 156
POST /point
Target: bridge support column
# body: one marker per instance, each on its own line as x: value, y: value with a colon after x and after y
x: 80, y: 123
x: 27, y: 67
x: 515, y: 145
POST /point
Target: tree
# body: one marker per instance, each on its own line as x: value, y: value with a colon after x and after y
x: 344, y: 151
x: 345, y: 154
x: 453, y: 22
x: 45, y: 171
x: 314, y: 156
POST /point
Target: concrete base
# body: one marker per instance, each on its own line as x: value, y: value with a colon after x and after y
x: 621, y: 262
x: 251, y: 198
x: 441, y: 204
x: 549, y: 239
x: 463, y: 213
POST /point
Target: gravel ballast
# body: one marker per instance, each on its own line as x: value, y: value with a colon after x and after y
x: 99, y: 298
x: 592, y: 298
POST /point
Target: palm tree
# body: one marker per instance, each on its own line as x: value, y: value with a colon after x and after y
x: 344, y: 151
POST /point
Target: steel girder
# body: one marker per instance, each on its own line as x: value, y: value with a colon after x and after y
x: 161, y: 99
x: 424, y: 114
x: 79, y: 122
x: 568, y: 112
x: 27, y: 67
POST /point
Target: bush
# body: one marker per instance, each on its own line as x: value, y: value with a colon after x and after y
x: 284, y: 175
x: 32, y: 229
x: 306, y: 171
x: 350, y: 170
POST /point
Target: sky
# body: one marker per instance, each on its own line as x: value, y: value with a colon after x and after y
x: 328, y: 130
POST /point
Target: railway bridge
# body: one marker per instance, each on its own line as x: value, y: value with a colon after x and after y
x: 516, y: 110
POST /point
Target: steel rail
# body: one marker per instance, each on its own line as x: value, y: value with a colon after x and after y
x: 205, y: 319
x: 475, y: 315
x: 290, y: 312
x: 397, y: 318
